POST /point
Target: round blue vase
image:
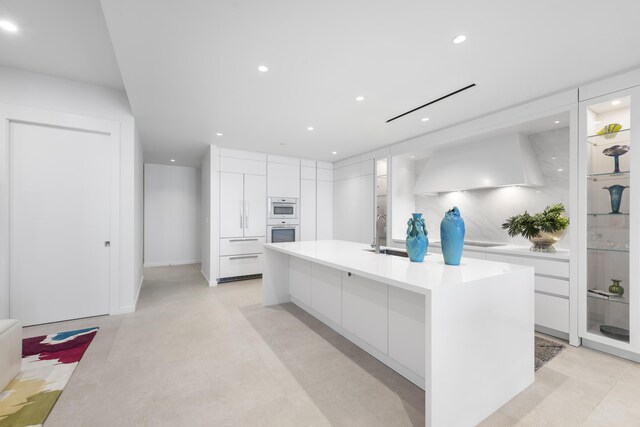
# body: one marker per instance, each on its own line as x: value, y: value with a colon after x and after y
x: 452, y: 236
x: 417, y: 241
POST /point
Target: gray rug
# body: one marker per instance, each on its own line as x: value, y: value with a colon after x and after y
x: 545, y: 351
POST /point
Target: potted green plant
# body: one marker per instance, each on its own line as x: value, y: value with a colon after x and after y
x: 543, y: 229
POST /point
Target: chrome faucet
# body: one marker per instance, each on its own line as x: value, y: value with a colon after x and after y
x: 376, y: 238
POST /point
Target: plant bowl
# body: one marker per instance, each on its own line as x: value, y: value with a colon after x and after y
x: 544, y: 241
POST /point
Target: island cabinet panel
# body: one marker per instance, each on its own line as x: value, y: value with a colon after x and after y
x: 552, y: 312
x: 364, y: 310
x: 407, y: 329
x: 300, y: 280
x: 326, y: 292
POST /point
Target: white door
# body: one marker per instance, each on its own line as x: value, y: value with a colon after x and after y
x: 255, y: 205
x: 231, y: 205
x: 307, y: 209
x: 59, y: 223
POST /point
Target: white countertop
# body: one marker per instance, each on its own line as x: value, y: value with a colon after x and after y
x: 430, y: 275
x: 558, y: 255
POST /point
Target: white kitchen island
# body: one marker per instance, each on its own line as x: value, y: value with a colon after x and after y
x: 463, y: 333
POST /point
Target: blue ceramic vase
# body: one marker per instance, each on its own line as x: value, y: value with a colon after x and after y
x: 417, y: 241
x: 452, y: 236
x: 615, y: 191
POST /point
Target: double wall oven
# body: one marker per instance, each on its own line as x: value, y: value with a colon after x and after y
x: 283, y: 224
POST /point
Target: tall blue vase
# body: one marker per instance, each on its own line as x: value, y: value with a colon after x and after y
x: 615, y: 192
x: 452, y: 236
x: 417, y: 241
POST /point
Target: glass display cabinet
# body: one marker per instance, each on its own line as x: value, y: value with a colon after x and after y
x: 608, y: 197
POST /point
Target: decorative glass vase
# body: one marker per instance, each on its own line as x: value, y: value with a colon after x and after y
x: 452, y: 236
x: 615, y: 287
x: 417, y: 241
x: 615, y: 192
x: 544, y: 241
x: 616, y: 151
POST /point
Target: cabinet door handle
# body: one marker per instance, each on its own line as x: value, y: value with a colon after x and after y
x: 241, y: 215
x: 246, y: 214
x: 243, y: 240
x: 243, y: 257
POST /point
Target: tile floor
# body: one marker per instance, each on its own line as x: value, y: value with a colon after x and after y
x: 193, y: 355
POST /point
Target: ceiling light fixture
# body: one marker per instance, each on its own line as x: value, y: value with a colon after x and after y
x: 334, y: 152
x: 9, y: 27
x: 172, y: 160
x: 557, y: 121
x: 459, y: 39
x: 616, y: 102
x: 425, y: 119
x: 310, y: 128
x: 360, y: 98
x: 560, y: 170
x: 263, y: 68
x: 218, y: 134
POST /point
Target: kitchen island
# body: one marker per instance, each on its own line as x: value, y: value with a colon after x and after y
x: 463, y: 333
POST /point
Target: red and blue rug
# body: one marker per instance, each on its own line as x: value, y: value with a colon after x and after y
x: 48, y: 362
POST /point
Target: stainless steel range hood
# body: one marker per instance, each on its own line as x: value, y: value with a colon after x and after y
x: 497, y: 162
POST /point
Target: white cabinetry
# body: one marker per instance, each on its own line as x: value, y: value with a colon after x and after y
x: 364, y: 310
x: 300, y: 280
x: 552, y: 291
x: 326, y: 292
x: 353, y: 201
x: 283, y: 177
x: 243, y: 213
x: 308, y: 200
x: 407, y: 329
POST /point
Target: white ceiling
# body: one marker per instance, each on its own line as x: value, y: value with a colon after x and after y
x: 190, y: 68
x: 62, y: 38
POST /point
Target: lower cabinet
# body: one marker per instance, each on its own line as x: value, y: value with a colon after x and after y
x: 364, y: 310
x: 326, y: 292
x: 300, y: 280
x: 407, y: 329
x: 240, y: 265
x: 552, y: 312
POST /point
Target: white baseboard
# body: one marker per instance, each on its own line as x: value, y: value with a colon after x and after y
x: 208, y: 281
x: 170, y: 263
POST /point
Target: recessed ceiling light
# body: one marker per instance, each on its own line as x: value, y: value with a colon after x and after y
x: 616, y: 102
x: 459, y: 39
x: 425, y: 119
x: 413, y: 157
x: 334, y: 152
x: 553, y: 158
x: 597, y: 122
x: 172, y: 160
x: 218, y: 134
x: 360, y: 98
x: 9, y: 27
x: 263, y: 68
x: 560, y: 170
x: 310, y: 128
x: 557, y: 121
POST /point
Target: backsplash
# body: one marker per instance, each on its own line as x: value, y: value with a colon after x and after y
x: 485, y: 210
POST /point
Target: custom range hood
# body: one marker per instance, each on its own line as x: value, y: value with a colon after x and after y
x: 496, y: 162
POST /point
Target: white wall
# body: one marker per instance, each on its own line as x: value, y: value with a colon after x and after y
x: 32, y: 90
x: 172, y: 212
x: 139, y: 216
x: 206, y: 214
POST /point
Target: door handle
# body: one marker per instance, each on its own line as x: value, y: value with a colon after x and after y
x: 241, y: 216
x: 243, y: 257
x: 243, y: 240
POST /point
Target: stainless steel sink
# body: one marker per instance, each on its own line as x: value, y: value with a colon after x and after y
x: 484, y: 244
x: 390, y: 252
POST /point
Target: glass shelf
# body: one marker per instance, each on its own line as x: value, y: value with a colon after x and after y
x: 625, y: 251
x: 623, y: 135
x: 598, y: 176
x: 596, y: 331
x: 617, y: 300
x: 613, y: 215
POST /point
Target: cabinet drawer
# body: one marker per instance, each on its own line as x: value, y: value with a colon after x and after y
x: 241, y: 245
x: 552, y: 312
x: 542, y: 266
x: 240, y: 265
x: 552, y: 286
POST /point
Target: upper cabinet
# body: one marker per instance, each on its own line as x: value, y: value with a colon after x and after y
x: 609, y: 235
x: 354, y: 200
x: 283, y: 177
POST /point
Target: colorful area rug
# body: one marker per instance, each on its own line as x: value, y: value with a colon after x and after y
x: 48, y: 362
x: 545, y: 351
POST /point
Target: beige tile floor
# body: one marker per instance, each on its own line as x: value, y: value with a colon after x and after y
x: 193, y: 355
